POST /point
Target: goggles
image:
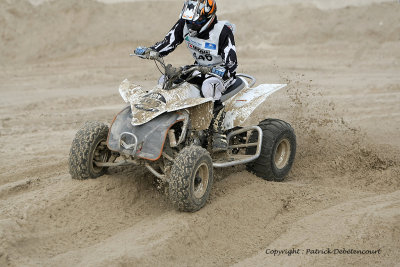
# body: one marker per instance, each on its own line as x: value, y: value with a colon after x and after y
x: 198, y: 22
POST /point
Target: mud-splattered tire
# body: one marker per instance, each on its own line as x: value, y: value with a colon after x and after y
x: 191, y: 179
x: 277, y: 153
x: 87, y: 146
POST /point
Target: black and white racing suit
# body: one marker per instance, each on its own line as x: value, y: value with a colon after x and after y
x: 213, y: 47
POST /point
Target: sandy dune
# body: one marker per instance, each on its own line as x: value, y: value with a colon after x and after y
x: 60, y: 65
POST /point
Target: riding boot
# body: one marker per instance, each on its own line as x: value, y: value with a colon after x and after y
x: 217, y: 107
x: 219, y: 138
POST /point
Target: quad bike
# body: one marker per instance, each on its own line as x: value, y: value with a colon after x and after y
x: 167, y: 130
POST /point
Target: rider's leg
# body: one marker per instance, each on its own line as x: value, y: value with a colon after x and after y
x: 213, y: 87
x: 218, y: 129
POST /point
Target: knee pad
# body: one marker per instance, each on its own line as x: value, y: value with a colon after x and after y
x: 213, y: 87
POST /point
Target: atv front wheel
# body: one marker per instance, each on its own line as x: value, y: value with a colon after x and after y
x: 277, y: 152
x: 191, y: 179
x: 89, y: 145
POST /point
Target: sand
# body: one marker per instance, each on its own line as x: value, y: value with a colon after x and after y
x: 61, y: 63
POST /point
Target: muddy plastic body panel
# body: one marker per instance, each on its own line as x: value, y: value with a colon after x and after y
x: 145, y: 141
x: 140, y: 129
x: 149, y: 104
x: 239, y: 108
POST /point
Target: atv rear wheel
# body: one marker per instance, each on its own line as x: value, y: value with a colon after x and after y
x: 191, y: 179
x: 277, y: 152
x: 89, y: 145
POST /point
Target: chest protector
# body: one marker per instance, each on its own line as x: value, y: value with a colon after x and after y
x: 205, y: 52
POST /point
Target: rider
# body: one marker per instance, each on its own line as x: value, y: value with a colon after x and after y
x: 211, y: 43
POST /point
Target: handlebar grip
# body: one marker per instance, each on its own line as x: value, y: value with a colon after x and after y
x: 205, y: 70
x: 153, y: 55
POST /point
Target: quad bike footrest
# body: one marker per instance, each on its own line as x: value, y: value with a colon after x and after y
x: 233, y: 160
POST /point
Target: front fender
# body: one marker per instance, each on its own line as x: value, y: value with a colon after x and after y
x: 149, y: 104
x: 149, y: 137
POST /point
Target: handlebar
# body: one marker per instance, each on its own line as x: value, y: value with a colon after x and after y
x: 173, y: 74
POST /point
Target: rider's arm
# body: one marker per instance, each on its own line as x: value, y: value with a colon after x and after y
x: 171, y: 40
x: 227, y: 50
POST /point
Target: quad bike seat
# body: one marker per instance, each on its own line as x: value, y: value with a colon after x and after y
x: 233, y: 89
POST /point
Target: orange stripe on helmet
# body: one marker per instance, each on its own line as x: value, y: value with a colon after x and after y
x: 213, y: 9
x: 210, y: 2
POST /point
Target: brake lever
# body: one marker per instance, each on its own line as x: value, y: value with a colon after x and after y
x: 139, y: 56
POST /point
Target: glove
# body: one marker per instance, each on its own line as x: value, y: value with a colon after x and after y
x: 146, y: 53
x: 204, y: 69
x: 141, y: 51
x: 219, y: 71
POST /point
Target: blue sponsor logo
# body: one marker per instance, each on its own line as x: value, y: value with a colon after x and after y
x: 211, y: 46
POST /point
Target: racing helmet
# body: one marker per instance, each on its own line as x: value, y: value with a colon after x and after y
x: 199, y: 15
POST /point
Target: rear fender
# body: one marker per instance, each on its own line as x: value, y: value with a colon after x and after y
x: 239, y: 108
